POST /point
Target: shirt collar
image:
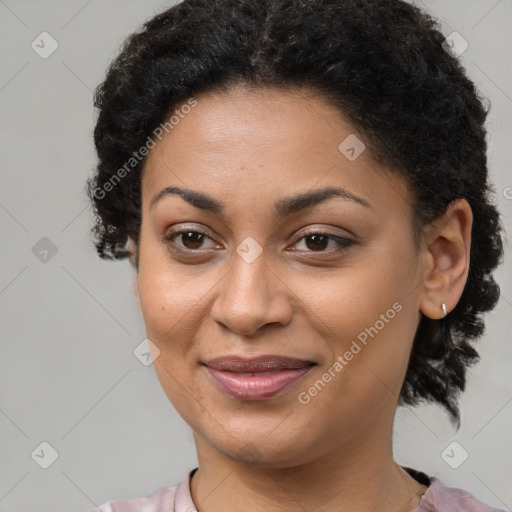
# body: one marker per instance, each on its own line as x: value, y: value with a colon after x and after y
x: 183, y: 500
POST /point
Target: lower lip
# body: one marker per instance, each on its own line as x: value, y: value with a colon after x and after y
x: 258, y: 386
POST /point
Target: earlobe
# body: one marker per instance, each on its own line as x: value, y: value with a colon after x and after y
x: 448, y: 251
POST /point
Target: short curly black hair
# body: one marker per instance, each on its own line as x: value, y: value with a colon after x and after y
x: 383, y: 64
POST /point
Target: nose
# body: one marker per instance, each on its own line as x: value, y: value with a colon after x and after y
x: 252, y: 295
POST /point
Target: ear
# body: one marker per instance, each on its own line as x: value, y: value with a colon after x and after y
x: 447, y: 257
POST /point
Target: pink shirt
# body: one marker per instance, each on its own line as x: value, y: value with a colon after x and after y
x: 437, y: 498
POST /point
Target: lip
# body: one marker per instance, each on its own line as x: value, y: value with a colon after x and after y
x: 258, y: 378
x: 256, y: 364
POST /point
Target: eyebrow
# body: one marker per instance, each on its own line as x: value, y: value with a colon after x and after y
x: 282, y: 208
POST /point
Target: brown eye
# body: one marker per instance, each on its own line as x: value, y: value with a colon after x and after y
x: 319, y: 242
x: 190, y: 240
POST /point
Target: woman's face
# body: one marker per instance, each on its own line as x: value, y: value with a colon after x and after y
x: 252, y: 279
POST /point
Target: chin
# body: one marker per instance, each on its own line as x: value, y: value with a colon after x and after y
x: 265, y: 452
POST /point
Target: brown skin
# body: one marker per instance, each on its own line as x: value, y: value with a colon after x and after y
x: 248, y: 149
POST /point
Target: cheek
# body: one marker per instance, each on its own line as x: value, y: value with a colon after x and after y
x: 342, y: 304
x: 172, y: 312
x: 367, y: 316
x: 172, y: 301
x: 174, y: 306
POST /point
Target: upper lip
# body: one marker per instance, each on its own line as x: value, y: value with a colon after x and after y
x: 256, y: 364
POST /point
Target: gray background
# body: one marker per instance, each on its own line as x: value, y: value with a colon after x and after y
x: 69, y: 325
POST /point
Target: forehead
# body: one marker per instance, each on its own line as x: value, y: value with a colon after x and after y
x: 265, y: 144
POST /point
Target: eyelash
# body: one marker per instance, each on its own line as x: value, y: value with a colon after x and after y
x: 343, y: 243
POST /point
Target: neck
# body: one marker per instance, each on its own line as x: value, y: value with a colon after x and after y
x: 362, y: 477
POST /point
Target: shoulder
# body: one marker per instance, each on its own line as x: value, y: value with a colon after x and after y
x: 441, y: 497
x: 162, y: 500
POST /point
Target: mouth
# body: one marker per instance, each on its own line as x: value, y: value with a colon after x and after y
x: 254, y: 379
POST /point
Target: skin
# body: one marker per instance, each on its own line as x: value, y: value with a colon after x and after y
x: 248, y: 149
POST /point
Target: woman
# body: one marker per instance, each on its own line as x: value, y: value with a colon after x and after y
x: 302, y: 190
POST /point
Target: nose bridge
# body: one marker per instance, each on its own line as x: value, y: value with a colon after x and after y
x: 250, y: 280
x: 251, y: 295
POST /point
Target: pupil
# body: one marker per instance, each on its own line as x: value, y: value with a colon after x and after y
x: 316, y: 237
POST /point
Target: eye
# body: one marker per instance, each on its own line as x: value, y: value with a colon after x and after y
x: 191, y: 240
x: 317, y: 241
